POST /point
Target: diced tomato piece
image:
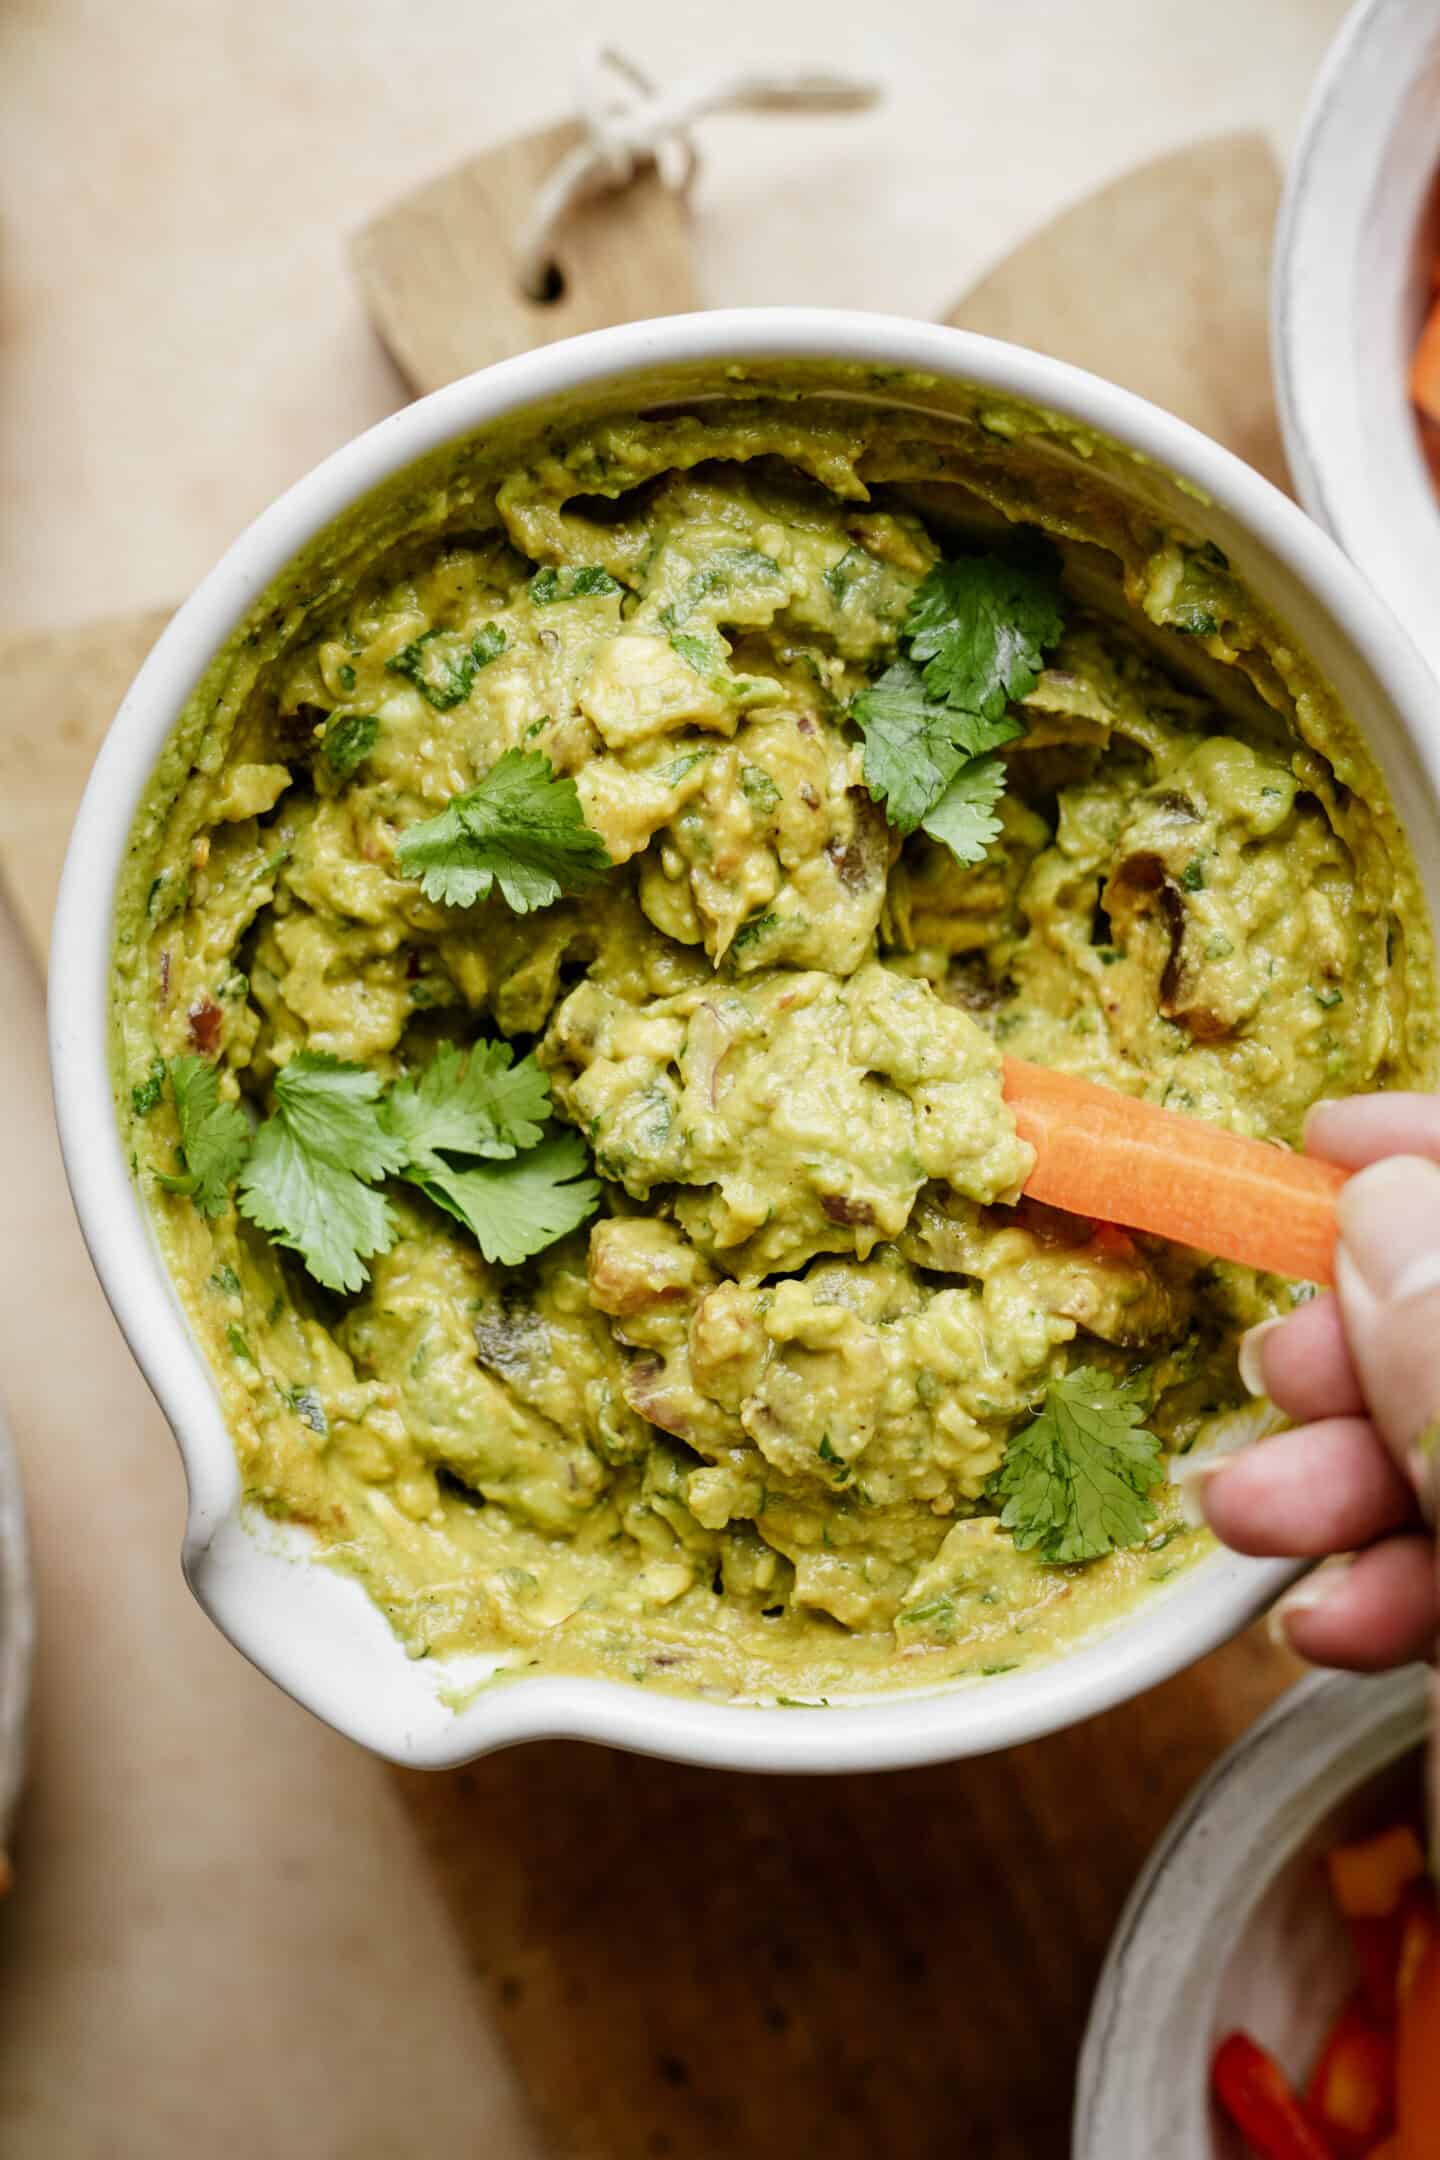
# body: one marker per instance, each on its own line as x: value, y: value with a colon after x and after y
x: 1419, y: 1932
x: 1418, y: 2061
x: 1390, y: 2150
x: 1417, y: 2075
x: 1369, y: 1879
x: 1111, y: 1240
x: 1351, y: 2093
x: 1378, y: 1945
x: 1262, y: 2103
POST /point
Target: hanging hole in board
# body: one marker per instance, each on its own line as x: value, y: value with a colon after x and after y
x: 551, y: 286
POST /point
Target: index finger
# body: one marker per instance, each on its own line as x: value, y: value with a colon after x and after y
x: 1368, y: 1127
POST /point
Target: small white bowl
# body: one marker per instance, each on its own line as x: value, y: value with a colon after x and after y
x: 309, y: 1627
x: 1358, y: 231
x: 1231, y: 1925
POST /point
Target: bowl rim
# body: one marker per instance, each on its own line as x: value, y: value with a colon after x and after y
x: 1183, y: 1622
x: 1264, y: 1795
x: 1326, y: 225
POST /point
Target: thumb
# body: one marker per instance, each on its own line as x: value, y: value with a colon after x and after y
x: 1387, y: 1275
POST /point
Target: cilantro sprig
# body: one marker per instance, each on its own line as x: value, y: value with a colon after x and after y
x: 978, y: 630
x: 976, y: 635
x: 214, y: 1135
x: 1076, y: 1482
x: 522, y: 829
x: 470, y: 1132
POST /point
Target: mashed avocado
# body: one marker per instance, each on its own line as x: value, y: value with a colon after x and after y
x: 742, y: 1431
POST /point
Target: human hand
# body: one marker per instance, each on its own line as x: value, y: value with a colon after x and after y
x: 1359, y: 1473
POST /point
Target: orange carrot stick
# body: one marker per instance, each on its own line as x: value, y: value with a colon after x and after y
x: 1120, y: 1160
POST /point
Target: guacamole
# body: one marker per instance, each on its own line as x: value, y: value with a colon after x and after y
x: 744, y: 1430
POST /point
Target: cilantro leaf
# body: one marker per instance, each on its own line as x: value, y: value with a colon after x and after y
x: 758, y: 926
x: 1076, y: 1482
x: 305, y: 1182
x: 333, y: 1111
x: 702, y: 654
x: 483, y: 1104
x: 964, y: 818
x: 584, y: 583
x: 443, y: 666
x: 716, y: 575
x: 349, y: 739
x: 978, y: 628
x: 521, y: 829
x: 323, y: 1212
x: 914, y: 746
x: 214, y: 1136
x: 514, y: 1209
x: 760, y: 791
x: 839, y: 576
x: 146, y: 1096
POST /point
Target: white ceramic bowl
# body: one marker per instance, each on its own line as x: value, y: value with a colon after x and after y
x: 1358, y: 231
x: 1230, y: 1924
x: 310, y: 1628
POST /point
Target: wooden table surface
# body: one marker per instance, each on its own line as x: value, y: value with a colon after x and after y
x: 684, y: 1962
x: 230, y: 1929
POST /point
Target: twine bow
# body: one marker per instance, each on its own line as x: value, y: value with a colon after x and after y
x: 629, y: 124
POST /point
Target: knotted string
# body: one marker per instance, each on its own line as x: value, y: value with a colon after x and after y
x: 629, y: 124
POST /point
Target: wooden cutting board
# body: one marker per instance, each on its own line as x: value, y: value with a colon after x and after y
x: 62, y: 689
x: 689, y: 1963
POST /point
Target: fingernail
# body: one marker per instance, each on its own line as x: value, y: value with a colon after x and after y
x: 1423, y: 1462
x: 1190, y: 1474
x: 1389, y: 1217
x: 1227, y: 1435
x: 1247, y: 1357
x: 1313, y: 1590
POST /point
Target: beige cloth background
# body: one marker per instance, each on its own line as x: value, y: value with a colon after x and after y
x: 225, y: 1938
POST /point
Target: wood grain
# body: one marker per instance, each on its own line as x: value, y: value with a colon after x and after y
x: 62, y: 688
x: 437, y: 270
x: 1159, y: 282
x: 710, y: 1965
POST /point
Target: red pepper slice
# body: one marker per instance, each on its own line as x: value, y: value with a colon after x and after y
x: 1379, y: 1945
x: 1351, y: 2093
x: 1418, y: 1937
x: 1262, y: 2103
x: 1376, y: 1944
